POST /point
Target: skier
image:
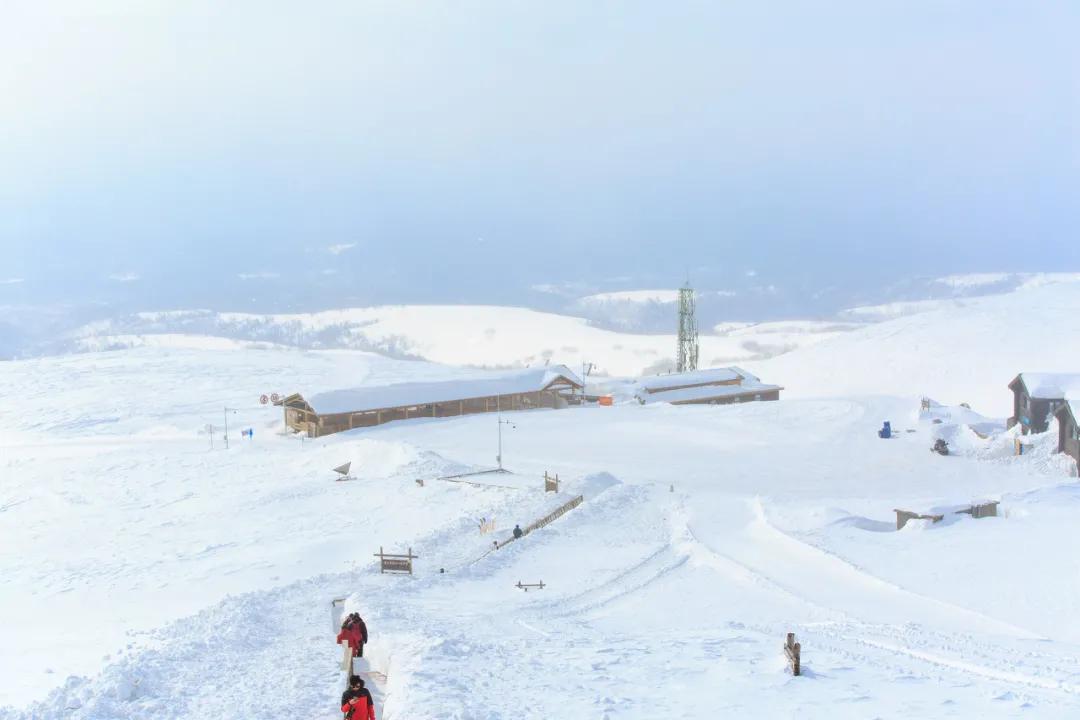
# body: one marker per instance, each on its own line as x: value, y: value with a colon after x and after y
x: 354, y: 632
x: 517, y: 532
x: 356, y: 702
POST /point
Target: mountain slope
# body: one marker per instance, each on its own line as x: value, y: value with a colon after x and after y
x: 967, y: 351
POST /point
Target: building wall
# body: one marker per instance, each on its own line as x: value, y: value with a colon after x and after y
x: 1068, y: 432
x: 1032, y: 414
x: 763, y: 396
x: 339, y: 422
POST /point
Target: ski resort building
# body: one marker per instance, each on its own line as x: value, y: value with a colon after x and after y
x: 1037, y: 396
x: 715, y: 386
x: 1068, y: 431
x: 338, y: 410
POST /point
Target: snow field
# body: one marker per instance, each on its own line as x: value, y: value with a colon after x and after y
x: 213, y: 571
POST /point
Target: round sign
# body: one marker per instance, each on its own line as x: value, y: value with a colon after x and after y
x: 263, y: 400
x: 274, y: 397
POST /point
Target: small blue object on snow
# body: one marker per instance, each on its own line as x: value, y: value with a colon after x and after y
x: 885, y: 431
x: 249, y: 433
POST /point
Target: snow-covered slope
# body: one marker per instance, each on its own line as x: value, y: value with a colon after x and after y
x: 175, y: 581
x: 925, y: 294
x: 196, y: 577
x: 965, y: 351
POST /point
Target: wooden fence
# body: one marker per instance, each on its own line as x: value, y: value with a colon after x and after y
x: 976, y: 510
x: 546, y: 520
x: 395, y: 563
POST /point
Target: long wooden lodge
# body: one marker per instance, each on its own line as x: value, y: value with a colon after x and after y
x: 338, y: 410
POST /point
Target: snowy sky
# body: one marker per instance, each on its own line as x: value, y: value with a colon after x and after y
x: 264, y: 155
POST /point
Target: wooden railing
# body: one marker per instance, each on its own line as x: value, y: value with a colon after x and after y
x: 547, y: 519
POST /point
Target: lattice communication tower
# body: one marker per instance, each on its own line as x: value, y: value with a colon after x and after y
x: 688, y: 333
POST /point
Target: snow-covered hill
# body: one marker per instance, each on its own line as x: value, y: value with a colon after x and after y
x: 924, y: 294
x: 960, y: 351
x: 474, y: 335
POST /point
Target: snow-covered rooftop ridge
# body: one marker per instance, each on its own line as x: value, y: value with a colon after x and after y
x: 418, y: 393
x: 710, y: 376
x: 1052, y: 386
x: 704, y: 392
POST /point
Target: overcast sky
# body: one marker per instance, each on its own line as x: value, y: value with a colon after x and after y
x: 264, y: 155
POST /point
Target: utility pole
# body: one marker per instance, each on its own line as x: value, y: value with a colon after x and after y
x: 586, y: 368
x: 227, y: 411
x: 501, y: 423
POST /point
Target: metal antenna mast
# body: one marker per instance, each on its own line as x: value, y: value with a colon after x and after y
x: 688, y: 333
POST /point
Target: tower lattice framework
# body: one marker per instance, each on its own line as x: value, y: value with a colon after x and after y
x: 687, y: 356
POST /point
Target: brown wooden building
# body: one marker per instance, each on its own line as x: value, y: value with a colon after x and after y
x: 1037, y: 396
x: 1068, y: 432
x: 335, y: 411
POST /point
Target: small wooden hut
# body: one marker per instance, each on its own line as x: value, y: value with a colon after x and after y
x: 1038, y: 396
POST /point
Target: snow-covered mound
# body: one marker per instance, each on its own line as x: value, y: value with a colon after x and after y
x: 966, y: 352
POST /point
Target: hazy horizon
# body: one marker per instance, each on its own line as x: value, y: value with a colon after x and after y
x: 799, y: 156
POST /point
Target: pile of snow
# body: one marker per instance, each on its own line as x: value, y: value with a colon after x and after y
x: 591, y: 485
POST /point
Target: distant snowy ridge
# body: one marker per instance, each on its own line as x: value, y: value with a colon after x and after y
x: 951, y: 290
x: 634, y: 296
x: 464, y: 335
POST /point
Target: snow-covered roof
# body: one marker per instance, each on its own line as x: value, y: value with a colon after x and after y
x: 701, y: 393
x: 711, y: 376
x: 700, y: 385
x: 419, y: 393
x: 1052, y: 386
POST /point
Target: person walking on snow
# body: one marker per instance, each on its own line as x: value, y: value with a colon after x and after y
x: 517, y: 532
x: 354, y: 632
x: 356, y: 702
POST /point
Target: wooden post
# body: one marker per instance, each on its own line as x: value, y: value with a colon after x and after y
x: 793, y: 651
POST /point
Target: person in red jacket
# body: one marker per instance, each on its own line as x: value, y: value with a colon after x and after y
x: 356, y: 702
x: 354, y: 632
